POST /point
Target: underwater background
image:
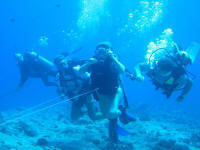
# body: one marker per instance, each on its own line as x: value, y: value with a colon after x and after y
x: 51, y: 27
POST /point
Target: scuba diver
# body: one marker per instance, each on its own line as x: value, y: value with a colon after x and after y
x: 72, y: 83
x: 32, y: 65
x: 168, y: 72
x: 105, y: 70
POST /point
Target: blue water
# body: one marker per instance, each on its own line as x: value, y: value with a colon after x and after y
x: 23, y: 23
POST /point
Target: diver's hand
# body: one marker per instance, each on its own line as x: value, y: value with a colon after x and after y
x: 180, y: 98
x: 92, y: 61
x: 131, y: 76
x: 139, y: 78
x: 112, y: 55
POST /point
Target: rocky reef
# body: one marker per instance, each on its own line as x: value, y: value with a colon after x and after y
x: 52, y: 130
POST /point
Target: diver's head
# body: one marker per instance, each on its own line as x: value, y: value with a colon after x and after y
x: 18, y: 57
x: 61, y: 62
x: 102, y: 51
x: 164, y: 65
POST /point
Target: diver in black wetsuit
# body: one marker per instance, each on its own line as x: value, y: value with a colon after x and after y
x: 105, y: 70
x: 32, y: 65
x: 168, y: 74
x: 72, y: 83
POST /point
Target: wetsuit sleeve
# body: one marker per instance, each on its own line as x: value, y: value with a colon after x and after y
x: 87, y: 67
x: 186, y: 89
x: 116, y: 63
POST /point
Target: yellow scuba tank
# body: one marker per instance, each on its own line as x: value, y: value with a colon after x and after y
x: 170, y: 81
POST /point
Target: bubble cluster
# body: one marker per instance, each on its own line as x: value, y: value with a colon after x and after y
x: 91, y: 13
x: 147, y: 14
x: 72, y: 34
x: 162, y: 45
x: 70, y: 37
x: 43, y: 41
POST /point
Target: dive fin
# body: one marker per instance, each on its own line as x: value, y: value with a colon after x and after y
x: 122, y: 131
x: 125, y: 117
x: 193, y: 50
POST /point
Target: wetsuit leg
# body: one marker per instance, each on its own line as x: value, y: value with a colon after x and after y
x: 93, y: 112
x: 187, y: 84
x: 114, y: 109
x: 90, y: 104
x: 76, y: 112
x: 109, y: 104
x: 112, y: 130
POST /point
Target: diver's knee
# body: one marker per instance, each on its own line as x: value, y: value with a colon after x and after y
x: 113, y: 114
x: 75, y: 114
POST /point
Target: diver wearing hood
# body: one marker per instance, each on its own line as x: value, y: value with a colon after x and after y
x: 168, y: 73
x: 32, y: 65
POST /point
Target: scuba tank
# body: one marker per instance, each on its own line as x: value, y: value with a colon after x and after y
x: 36, y: 59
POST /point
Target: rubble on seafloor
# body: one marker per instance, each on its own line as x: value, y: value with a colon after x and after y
x: 52, y: 130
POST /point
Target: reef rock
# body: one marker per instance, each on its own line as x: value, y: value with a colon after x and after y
x: 42, y: 142
x: 169, y: 145
x: 144, y: 117
x: 117, y: 146
x: 83, y: 121
x: 195, y: 137
x: 28, y: 130
x: 67, y: 144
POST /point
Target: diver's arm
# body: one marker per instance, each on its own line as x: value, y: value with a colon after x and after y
x: 119, y: 66
x: 139, y: 69
x: 130, y: 74
x: 84, y: 75
x: 85, y: 67
x: 185, y: 90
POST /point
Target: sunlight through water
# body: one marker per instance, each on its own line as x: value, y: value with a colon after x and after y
x: 144, y: 17
x: 91, y: 14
